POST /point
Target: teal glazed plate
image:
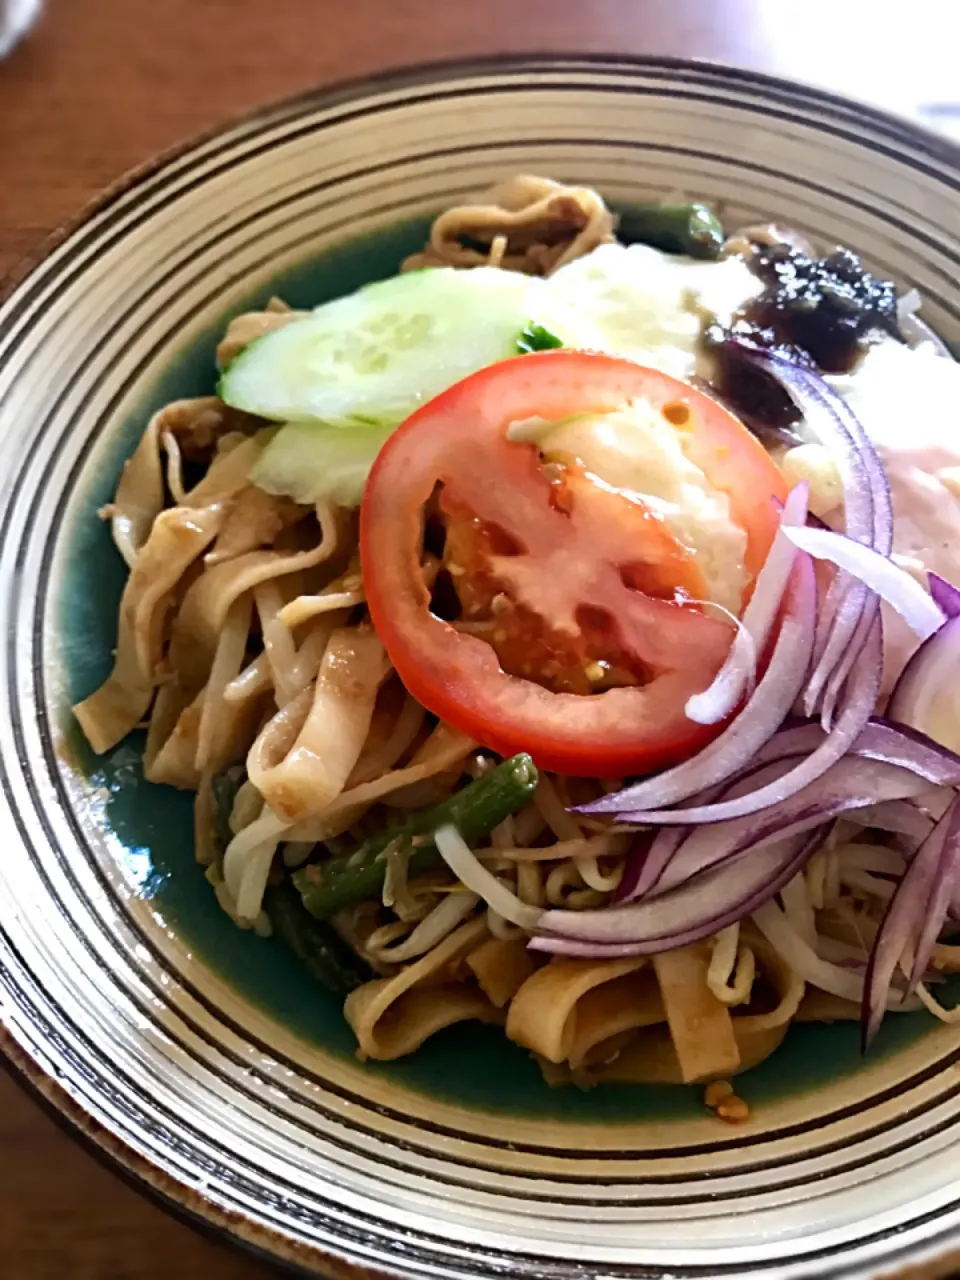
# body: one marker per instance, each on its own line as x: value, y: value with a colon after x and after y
x: 203, y: 1060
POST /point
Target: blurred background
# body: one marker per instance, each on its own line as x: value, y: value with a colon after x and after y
x: 97, y: 87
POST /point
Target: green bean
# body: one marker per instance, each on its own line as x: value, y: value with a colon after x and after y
x: 693, y: 229
x: 328, y: 887
x: 324, y: 953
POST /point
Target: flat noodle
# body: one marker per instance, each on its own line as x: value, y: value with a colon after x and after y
x: 527, y: 224
x: 255, y: 678
x: 226, y: 477
x: 610, y: 1016
x: 205, y: 606
x: 174, y: 764
x: 545, y: 1013
x: 304, y: 608
x: 217, y: 733
x: 501, y: 966
x: 248, y: 327
x: 651, y: 1058
x: 821, y: 1006
x: 276, y: 739
x: 177, y: 538
x: 378, y: 758
x: 392, y: 1017
x: 139, y: 497
x: 256, y: 519
x: 174, y: 466
x: 233, y: 727
x: 313, y: 772
x: 170, y: 702
x: 278, y: 643
x: 444, y: 749
x: 700, y: 1025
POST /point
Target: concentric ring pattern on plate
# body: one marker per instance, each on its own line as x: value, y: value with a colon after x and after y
x: 207, y: 1097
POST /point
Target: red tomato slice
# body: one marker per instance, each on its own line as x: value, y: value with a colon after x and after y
x: 570, y: 563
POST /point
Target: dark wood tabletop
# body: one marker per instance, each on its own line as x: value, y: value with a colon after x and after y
x: 101, y: 86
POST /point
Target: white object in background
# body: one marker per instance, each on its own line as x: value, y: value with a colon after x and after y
x: 15, y: 18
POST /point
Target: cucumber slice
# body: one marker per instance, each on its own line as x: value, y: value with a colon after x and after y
x: 310, y: 462
x: 368, y: 360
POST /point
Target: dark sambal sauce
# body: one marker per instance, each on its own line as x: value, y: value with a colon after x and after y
x: 821, y: 312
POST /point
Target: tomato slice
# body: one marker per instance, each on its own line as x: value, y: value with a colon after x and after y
x: 592, y: 563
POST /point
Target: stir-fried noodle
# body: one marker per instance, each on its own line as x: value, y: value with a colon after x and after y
x: 245, y: 645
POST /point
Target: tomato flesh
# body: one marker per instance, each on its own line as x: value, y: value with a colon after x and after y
x: 557, y: 576
x: 592, y: 657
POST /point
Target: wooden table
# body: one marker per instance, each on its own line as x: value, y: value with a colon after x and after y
x: 102, y: 85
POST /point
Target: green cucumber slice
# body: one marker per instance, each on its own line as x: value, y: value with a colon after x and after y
x: 370, y: 359
x: 310, y: 462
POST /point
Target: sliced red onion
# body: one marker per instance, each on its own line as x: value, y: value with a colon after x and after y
x: 747, y: 734
x: 946, y: 881
x: 694, y: 911
x: 868, y: 509
x: 860, y: 701
x: 834, y: 424
x: 910, y: 919
x: 851, y: 783
x: 643, y: 872
x: 933, y: 803
x: 735, y: 678
x: 644, y: 869
x: 929, y: 679
x: 635, y: 867
x: 946, y: 595
x: 877, y: 572
x: 847, y: 609
x: 840, y: 979
x: 911, y: 749
x: 880, y: 740
x: 834, y: 688
x: 899, y: 818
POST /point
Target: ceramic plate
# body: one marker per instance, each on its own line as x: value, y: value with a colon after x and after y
x: 202, y: 1059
